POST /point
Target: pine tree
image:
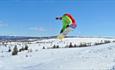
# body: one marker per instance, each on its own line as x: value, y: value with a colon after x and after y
x: 75, y: 45
x: 20, y: 50
x: 70, y: 46
x: 9, y: 50
x: 57, y: 46
x: 23, y: 48
x: 54, y: 46
x: 43, y: 47
x: 83, y: 45
x: 15, y: 50
x: 26, y: 47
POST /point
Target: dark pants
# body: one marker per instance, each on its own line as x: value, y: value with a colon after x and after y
x: 63, y: 30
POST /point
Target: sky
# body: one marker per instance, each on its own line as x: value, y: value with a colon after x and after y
x: 37, y: 17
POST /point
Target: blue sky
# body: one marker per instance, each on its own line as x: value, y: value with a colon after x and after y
x: 37, y: 17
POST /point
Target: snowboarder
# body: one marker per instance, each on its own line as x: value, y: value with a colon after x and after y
x: 69, y: 24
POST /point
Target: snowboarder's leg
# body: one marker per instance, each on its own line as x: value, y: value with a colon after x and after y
x: 60, y: 36
x: 64, y: 33
x: 61, y: 30
x: 67, y: 30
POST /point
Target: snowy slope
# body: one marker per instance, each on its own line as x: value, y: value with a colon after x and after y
x: 99, y: 57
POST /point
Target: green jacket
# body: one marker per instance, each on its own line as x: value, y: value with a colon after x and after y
x: 66, y: 21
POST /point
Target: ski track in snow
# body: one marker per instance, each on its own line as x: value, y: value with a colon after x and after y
x: 99, y: 57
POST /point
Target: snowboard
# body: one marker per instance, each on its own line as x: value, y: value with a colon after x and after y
x: 63, y: 34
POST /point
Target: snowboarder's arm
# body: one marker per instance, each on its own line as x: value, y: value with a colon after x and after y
x: 58, y: 18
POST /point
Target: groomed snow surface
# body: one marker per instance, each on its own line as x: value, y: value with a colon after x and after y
x: 100, y: 57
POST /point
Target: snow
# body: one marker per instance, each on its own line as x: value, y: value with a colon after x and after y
x: 99, y: 57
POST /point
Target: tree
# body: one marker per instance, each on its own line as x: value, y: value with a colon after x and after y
x: 75, y: 45
x: 26, y: 47
x: 83, y: 45
x: 70, y: 46
x: 54, y: 46
x: 107, y: 41
x: 113, y: 41
x: 9, y: 50
x: 57, y: 46
x: 15, y: 50
x: 43, y: 47
x: 23, y: 48
x: 20, y: 50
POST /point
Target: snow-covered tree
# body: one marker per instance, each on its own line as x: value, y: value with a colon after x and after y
x: 15, y: 50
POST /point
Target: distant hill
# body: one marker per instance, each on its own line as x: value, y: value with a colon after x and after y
x: 26, y: 38
x: 13, y: 38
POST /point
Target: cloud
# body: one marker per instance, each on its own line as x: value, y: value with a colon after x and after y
x: 2, y: 24
x: 39, y: 29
